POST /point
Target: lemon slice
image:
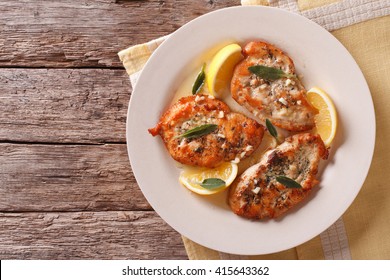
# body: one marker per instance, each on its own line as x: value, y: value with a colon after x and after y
x: 191, y: 177
x: 326, y: 119
x: 220, y: 70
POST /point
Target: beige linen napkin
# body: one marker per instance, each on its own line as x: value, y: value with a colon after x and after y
x: 363, y: 27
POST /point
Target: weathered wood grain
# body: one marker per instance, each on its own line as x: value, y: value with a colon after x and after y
x: 73, y: 33
x: 67, y: 178
x: 88, y: 235
x: 63, y: 105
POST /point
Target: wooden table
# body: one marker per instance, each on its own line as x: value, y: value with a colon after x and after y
x: 66, y: 186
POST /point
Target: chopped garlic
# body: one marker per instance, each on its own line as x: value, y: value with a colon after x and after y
x: 221, y: 135
x: 254, y: 82
x: 256, y: 190
x: 248, y: 148
x: 221, y: 114
x: 199, y: 98
x: 299, y: 102
x: 289, y: 82
x: 236, y: 160
x: 182, y: 143
x: 242, y: 154
x: 283, y: 101
x: 263, y: 86
x: 211, y: 97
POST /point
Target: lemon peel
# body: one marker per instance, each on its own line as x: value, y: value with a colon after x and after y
x: 220, y: 69
x: 326, y: 119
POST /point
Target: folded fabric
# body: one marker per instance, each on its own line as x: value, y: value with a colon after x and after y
x: 363, y: 27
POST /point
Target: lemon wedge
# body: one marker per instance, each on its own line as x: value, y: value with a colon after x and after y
x: 191, y: 177
x: 326, y: 119
x: 220, y: 70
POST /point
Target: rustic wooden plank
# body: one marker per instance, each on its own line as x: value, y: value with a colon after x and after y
x: 88, y: 235
x: 73, y: 33
x: 67, y: 178
x: 63, y: 105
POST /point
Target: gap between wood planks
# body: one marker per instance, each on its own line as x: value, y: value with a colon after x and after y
x: 88, y: 235
x: 75, y: 34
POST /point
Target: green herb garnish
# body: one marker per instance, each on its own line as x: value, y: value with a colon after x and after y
x: 289, y: 183
x: 212, y: 183
x: 272, y: 130
x: 269, y: 73
x: 199, y: 82
x: 198, y: 131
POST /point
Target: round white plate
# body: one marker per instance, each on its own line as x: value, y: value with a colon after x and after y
x: 322, y: 61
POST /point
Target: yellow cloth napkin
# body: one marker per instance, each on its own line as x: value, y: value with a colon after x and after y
x: 362, y: 26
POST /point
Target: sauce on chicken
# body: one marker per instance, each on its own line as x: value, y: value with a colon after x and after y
x: 257, y: 194
x: 282, y: 100
x: 236, y: 136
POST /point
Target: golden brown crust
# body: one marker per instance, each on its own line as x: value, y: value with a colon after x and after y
x: 236, y: 135
x: 257, y: 194
x: 282, y: 101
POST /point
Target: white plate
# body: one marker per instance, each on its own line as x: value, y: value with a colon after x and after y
x: 322, y: 60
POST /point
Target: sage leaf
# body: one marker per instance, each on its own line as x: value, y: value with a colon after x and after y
x: 199, y: 81
x: 198, y: 131
x: 269, y: 73
x: 272, y: 130
x: 212, y: 183
x: 288, y: 182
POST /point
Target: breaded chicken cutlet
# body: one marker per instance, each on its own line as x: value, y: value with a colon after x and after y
x: 231, y: 135
x: 258, y: 194
x: 281, y: 100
